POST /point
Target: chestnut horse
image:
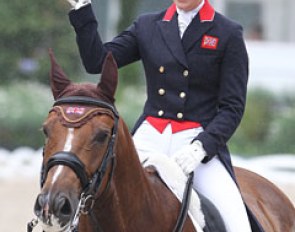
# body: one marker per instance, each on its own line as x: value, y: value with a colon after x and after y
x: 92, y: 179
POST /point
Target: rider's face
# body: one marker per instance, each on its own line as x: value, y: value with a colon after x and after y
x: 187, y: 5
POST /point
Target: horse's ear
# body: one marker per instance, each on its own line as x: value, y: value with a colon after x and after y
x: 58, y: 79
x: 109, y: 77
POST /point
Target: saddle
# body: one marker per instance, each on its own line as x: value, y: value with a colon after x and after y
x: 202, y: 211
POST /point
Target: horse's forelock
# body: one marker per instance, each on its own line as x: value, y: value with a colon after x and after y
x: 85, y: 90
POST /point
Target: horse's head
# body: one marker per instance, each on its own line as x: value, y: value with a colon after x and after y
x: 78, y: 154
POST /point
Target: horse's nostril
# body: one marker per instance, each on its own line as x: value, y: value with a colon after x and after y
x: 38, y: 208
x: 66, y: 208
x: 63, y: 209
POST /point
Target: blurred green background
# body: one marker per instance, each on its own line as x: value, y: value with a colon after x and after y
x: 28, y: 28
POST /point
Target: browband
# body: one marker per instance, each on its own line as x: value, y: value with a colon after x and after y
x: 86, y: 101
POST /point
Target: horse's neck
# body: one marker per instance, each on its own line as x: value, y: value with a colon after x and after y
x: 129, y: 173
x: 130, y: 190
x: 136, y: 201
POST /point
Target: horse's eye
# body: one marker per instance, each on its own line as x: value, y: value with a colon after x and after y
x: 101, y: 136
x: 45, y: 132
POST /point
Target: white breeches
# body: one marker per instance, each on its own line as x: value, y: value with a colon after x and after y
x: 210, y: 179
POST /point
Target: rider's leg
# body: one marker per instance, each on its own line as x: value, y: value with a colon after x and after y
x: 210, y: 179
x: 148, y: 141
x: 214, y: 182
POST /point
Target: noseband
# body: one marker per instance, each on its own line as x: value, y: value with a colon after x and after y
x: 90, y: 186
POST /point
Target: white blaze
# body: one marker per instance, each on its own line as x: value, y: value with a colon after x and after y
x: 69, y: 139
x: 67, y: 147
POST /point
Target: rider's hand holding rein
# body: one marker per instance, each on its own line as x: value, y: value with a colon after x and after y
x: 77, y: 4
x: 190, y: 156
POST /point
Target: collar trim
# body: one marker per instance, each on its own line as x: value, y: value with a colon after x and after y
x: 207, y: 12
x: 170, y: 13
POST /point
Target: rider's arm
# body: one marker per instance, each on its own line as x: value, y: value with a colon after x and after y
x: 93, y: 50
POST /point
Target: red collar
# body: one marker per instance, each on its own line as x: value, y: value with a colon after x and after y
x: 207, y: 12
x: 170, y: 12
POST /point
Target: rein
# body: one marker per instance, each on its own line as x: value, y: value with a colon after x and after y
x: 185, y: 204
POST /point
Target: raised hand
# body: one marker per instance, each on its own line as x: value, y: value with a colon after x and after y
x: 77, y: 4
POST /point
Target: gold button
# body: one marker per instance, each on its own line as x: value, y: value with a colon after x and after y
x: 161, y: 91
x: 161, y: 69
x: 160, y: 113
x: 180, y: 115
x: 185, y: 73
x: 182, y: 95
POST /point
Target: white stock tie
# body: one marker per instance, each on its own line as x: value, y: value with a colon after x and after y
x: 185, y: 17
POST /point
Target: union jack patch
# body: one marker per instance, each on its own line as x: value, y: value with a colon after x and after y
x: 209, y: 42
x: 75, y: 110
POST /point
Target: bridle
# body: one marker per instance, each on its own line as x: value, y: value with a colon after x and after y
x: 90, y: 186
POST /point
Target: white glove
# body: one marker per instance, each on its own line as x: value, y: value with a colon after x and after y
x: 77, y: 4
x: 190, y: 156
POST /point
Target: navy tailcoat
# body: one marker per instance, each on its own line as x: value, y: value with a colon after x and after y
x: 201, y: 77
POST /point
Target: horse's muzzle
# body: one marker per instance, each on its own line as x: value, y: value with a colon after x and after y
x: 57, y: 209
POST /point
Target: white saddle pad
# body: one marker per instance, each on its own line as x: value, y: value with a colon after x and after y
x: 176, y: 180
